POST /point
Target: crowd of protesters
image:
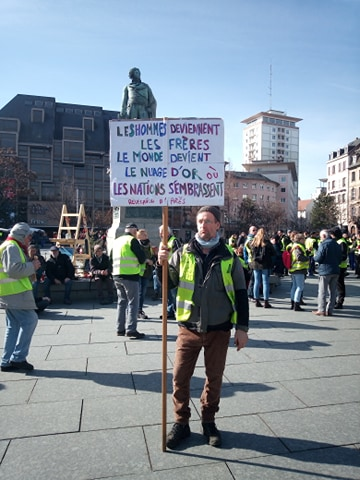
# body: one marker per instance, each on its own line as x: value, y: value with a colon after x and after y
x: 262, y: 255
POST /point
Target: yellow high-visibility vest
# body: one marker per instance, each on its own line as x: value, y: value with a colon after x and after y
x: 8, y: 285
x: 125, y: 262
x: 185, y: 290
x: 295, y: 265
x: 343, y: 263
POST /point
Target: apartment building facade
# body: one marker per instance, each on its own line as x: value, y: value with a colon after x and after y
x: 271, y: 148
x: 343, y: 183
x: 67, y: 147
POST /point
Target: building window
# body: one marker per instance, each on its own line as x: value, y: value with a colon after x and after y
x: 333, y: 185
x: 283, y: 179
x: 244, y: 196
x: 344, y: 182
x: 8, y: 140
x: 253, y: 186
x: 283, y: 190
x: 37, y: 115
x: 352, y: 176
x: 343, y: 197
x: 73, y: 152
x: 245, y: 185
x: 9, y: 125
x: 282, y: 200
x: 42, y: 169
x: 48, y: 192
x: 254, y: 197
x: 88, y: 124
x: 73, y: 134
x: 333, y: 169
x: 43, y: 153
x: 353, y: 196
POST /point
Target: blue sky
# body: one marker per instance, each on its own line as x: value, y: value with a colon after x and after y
x: 202, y: 58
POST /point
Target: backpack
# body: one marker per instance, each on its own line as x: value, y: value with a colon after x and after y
x: 286, y: 258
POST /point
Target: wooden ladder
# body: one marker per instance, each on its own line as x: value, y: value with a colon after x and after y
x: 71, y: 223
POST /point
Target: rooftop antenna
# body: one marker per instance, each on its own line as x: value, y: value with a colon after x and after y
x: 270, y: 87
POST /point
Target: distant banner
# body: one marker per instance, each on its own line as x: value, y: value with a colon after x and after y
x: 167, y: 162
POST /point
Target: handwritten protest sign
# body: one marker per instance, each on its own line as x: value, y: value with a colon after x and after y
x: 170, y: 162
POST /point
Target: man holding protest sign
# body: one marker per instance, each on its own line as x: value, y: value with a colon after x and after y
x: 211, y: 299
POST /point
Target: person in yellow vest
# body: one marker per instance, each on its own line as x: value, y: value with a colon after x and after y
x: 147, y: 272
x: 248, y: 259
x: 233, y: 241
x: 298, y: 270
x: 240, y: 254
x: 357, y: 255
x: 311, y: 245
x: 16, y: 297
x: 211, y: 299
x: 341, y: 290
x: 127, y: 259
x: 173, y: 244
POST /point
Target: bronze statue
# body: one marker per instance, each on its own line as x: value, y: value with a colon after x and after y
x: 138, y: 100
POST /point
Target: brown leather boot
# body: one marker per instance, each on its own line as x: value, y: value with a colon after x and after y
x: 292, y: 305
x: 297, y: 307
x: 267, y: 304
x: 258, y: 303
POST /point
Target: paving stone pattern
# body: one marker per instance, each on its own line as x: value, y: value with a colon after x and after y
x: 92, y: 408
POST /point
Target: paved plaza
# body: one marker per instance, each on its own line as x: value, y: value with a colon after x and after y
x: 290, y: 407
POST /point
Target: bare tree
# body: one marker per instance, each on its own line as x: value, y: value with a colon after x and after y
x: 14, y: 187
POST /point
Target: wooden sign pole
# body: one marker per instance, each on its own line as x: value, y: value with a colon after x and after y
x: 165, y: 223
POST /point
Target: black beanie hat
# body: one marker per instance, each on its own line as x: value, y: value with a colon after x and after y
x: 214, y: 210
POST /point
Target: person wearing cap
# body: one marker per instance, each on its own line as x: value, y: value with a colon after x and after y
x: 211, y: 300
x: 128, y: 259
x: 60, y: 271
x: 337, y: 233
x: 16, y: 297
x: 101, y: 268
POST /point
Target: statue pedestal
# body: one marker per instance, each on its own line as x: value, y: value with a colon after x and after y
x: 116, y: 229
